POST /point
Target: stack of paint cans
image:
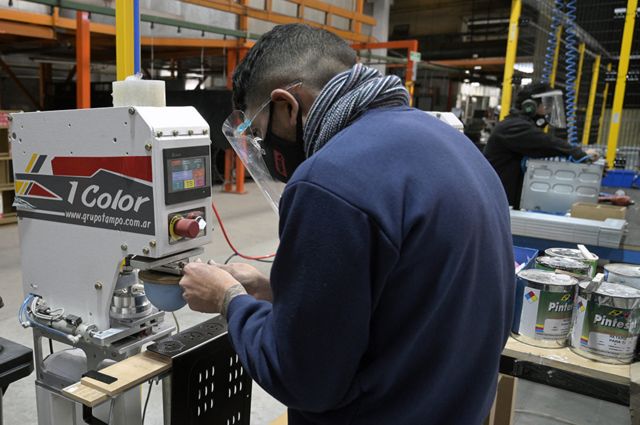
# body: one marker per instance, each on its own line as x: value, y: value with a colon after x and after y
x: 606, y: 322
x: 544, y: 307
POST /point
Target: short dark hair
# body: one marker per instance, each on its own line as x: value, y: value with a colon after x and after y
x: 288, y: 53
x: 529, y: 90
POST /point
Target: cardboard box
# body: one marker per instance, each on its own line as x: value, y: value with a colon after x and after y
x: 598, y: 211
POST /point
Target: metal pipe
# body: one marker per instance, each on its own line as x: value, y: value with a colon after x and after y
x: 621, y: 82
x: 510, y: 60
x: 160, y: 20
x: 136, y: 36
x: 605, y: 94
x: 124, y: 39
x: 581, y: 49
x: 586, y: 132
x: 556, y: 55
x: 83, y: 60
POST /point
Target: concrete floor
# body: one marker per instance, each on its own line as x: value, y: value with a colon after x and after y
x: 253, y: 229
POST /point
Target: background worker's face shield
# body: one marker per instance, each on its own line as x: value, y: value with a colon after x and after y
x: 553, y: 106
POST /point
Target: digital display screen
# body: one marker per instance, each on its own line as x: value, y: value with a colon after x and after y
x: 186, y: 173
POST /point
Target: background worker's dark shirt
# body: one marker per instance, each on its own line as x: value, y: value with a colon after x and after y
x: 393, y: 285
x: 517, y: 137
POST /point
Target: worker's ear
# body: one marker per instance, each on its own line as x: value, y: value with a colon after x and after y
x: 287, y: 103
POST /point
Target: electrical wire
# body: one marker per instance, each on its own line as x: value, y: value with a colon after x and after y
x: 231, y: 257
x: 233, y: 248
x: 175, y: 319
x: 146, y: 403
x: 48, y: 313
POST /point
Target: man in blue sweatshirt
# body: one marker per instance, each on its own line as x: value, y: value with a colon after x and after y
x: 391, y: 294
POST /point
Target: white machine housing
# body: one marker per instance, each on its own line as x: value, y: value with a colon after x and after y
x: 94, y: 186
x: 448, y: 118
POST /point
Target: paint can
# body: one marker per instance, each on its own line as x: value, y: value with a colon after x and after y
x: 606, y: 323
x: 544, y: 306
x: 574, y: 254
x: 627, y: 274
x: 567, y: 265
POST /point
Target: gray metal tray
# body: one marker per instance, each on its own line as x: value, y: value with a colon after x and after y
x: 552, y: 187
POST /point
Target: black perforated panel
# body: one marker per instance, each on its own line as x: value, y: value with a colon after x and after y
x: 209, y: 385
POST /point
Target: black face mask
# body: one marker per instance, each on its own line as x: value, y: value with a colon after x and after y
x: 282, y: 157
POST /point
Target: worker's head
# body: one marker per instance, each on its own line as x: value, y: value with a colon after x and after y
x: 286, y: 55
x: 543, y: 104
x: 273, y: 90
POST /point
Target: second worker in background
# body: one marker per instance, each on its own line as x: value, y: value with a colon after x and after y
x: 521, y: 135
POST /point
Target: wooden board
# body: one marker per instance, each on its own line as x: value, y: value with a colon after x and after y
x: 85, y: 395
x: 565, y: 359
x: 129, y: 373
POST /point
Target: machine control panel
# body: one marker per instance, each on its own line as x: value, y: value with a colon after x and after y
x: 186, y: 173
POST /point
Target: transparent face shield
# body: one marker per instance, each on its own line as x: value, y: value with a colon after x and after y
x: 553, y: 106
x: 238, y: 130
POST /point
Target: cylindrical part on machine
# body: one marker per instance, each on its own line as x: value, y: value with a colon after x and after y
x: 75, y: 332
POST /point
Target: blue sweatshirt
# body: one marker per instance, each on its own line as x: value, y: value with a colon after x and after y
x: 393, y: 283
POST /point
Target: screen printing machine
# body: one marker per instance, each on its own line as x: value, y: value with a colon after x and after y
x: 550, y: 189
x: 112, y: 203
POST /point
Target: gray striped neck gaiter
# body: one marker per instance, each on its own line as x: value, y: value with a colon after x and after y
x: 346, y: 97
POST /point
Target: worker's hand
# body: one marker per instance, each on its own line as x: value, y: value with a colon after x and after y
x: 204, y: 286
x: 254, y: 282
x: 593, y: 154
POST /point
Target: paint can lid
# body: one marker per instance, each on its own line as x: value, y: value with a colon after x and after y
x: 547, y: 278
x: 565, y: 252
x: 617, y: 290
x: 562, y: 263
x: 628, y: 270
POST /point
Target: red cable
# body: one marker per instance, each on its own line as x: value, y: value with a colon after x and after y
x: 235, y: 251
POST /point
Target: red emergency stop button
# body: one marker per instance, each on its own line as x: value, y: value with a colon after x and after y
x: 186, y: 227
